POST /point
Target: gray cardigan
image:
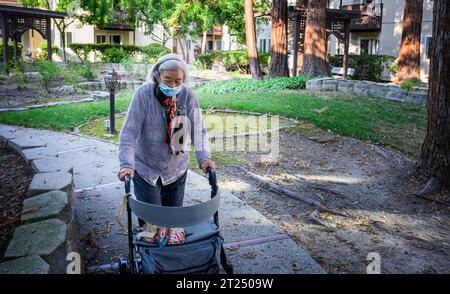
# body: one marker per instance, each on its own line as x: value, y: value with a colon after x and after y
x: 142, y: 145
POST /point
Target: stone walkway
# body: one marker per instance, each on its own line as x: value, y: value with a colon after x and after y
x: 254, y: 244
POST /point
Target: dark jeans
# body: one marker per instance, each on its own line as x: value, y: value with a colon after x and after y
x: 169, y: 195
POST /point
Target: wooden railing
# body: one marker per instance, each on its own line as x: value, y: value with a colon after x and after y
x: 217, y: 30
x: 371, y: 18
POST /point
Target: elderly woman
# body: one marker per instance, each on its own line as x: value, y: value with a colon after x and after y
x: 163, y: 115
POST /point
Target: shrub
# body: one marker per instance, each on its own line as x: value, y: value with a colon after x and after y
x: 11, y: 51
x: 236, y: 60
x: 115, y: 55
x: 49, y: 72
x: 335, y: 60
x: 86, y: 72
x: 409, y: 84
x: 75, y: 72
x: 13, y: 66
x: 150, y: 52
x: 393, y: 67
x: 370, y: 67
x: 367, y: 67
x: 241, y: 85
x: 17, y: 73
x: 42, y: 54
x: 153, y: 51
x: 206, y: 60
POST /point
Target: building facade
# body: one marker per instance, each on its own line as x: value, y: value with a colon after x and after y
x: 384, y: 38
x: 380, y: 33
x: 115, y: 32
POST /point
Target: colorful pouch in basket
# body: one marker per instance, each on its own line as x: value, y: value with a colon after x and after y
x: 162, y: 235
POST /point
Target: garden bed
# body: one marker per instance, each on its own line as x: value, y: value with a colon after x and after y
x: 15, y: 178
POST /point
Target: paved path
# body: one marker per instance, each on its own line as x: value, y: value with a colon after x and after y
x: 255, y: 245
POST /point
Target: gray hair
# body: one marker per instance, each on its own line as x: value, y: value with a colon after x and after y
x: 167, y: 62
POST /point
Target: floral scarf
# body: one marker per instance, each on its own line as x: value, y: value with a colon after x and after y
x: 170, y: 109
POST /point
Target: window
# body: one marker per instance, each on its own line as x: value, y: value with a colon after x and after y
x: 368, y: 46
x: 262, y: 45
x: 428, y: 42
x: 210, y: 45
x: 115, y: 39
x: 68, y: 38
x: 189, y: 44
x: 218, y: 45
x: 101, y: 39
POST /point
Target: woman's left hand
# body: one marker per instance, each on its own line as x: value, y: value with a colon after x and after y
x: 207, y: 163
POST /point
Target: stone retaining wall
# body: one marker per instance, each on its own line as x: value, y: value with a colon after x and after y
x: 418, y: 95
x: 49, y: 229
x: 100, y: 85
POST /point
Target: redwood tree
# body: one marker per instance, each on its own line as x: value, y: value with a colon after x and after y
x: 435, y: 154
x: 409, y: 58
x: 315, y: 45
x: 250, y: 35
x: 278, y: 50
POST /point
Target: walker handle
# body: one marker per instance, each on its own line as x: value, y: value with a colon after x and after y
x: 212, y: 180
x: 127, y: 183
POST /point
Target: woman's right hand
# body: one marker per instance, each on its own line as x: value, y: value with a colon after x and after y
x: 125, y: 171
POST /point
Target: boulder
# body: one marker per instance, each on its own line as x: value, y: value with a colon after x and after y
x: 44, y: 182
x: 314, y: 85
x: 46, y: 239
x: 346, y: 86
x: 32, y: 264
x: 65, y: 90
x: 100, y: 95
x: 53, y: 204
x: 377, y: 90
x: 330, y: 85
x: 361, y: 88
x: 397, y: 94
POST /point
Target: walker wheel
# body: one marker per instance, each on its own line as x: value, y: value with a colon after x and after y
x: 124, y: 265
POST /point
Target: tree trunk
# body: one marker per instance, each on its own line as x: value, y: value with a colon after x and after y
x: 315, y: 45
x: 435, y: 154
x: 409, y: 57
x: 63, y: 41
x: 255, y: 68
x: 278, y: 50
x: 204, y: 42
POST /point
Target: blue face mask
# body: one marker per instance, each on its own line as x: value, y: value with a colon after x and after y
x: 168, y: 91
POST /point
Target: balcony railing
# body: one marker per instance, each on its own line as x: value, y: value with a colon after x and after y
x: 217, y: 31
x: 371, y: 16
x: 118, y: 20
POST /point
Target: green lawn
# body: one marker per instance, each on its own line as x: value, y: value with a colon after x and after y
x: 396, y: 124
x: 63, y: 117
x: 391, y: 123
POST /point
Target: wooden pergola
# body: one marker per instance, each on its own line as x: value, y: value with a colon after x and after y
x: 15, y: 20
x: 338, y: 24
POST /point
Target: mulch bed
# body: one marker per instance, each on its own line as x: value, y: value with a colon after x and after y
x: 15, y: 178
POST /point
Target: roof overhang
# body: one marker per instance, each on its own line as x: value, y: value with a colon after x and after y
x: 34, y: 12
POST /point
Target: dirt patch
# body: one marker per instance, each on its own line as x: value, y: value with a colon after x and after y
x: 13, y: 95
x: 371, y: 183
x: 15, y: 178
